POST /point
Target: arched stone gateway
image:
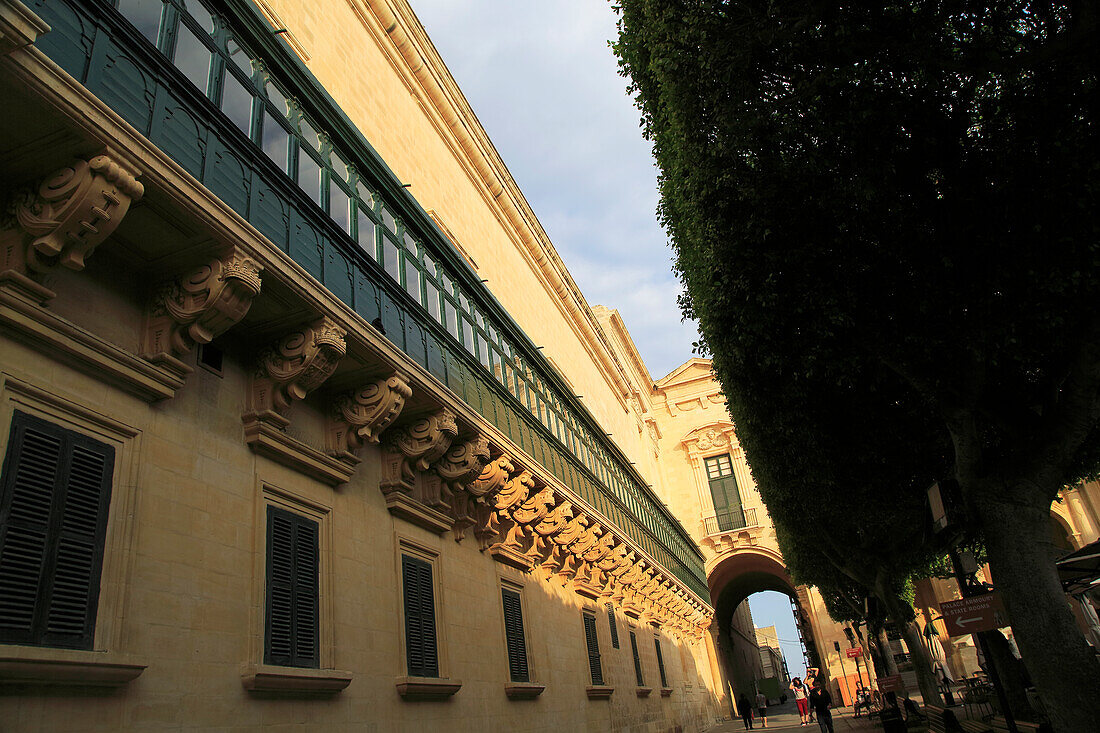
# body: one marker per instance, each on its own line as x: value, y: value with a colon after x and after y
x: 734, y: 576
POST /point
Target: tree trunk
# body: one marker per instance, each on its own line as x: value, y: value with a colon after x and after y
x: 1011, y: 671
x: 883, y: 643
x: 1062, y: 666
x: 922, y: 665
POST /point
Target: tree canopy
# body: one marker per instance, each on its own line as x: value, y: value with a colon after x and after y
x: 898, y: 201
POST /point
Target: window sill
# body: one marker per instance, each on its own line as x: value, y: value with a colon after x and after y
x: 644, y: 691
x: 666, y: 692
x: 271, y: 678
x: 427, y: 688
x: 599, y: 692
x: 523, y: 690
x: 74, y: 667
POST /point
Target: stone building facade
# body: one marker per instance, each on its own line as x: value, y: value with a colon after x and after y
x: 287, y: 443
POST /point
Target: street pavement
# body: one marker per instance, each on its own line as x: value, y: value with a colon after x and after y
x: 785, y: 718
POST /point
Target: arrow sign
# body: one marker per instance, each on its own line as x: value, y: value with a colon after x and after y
x: 977, y: 613
x: 967, y: 621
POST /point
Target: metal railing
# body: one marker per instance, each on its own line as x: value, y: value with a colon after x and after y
x: 740, y: 520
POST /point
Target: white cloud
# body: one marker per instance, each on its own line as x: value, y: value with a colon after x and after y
x: 543, y: 82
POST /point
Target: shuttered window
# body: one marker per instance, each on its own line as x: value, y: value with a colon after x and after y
x: 421, y: 655
x: 723, y: 491
x: 291, y: 628
x: 660, y: 662
x: 611, y: 624
x: 637, y: 660
x: 54, y: 494
x: 513, y: 632
x: 593, y: 643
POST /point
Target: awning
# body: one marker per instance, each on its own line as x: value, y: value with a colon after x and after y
x: 1080, y: 570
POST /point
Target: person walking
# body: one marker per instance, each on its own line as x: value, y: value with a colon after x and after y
x: 821, y: 701
x: 801, y: 700
x: 744, y: 709
x: 762, y: 707
x: 811, y: 677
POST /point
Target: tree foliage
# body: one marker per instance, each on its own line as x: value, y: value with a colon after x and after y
x: 889, y: 211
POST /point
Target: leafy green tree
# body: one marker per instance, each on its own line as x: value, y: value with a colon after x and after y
x: 861, y: 193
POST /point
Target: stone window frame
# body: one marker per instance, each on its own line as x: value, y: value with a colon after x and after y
x: 710, y: 441
x: 106, y: 664
x: 427, y: 548
x: 256, y: 675
x: 513, y: 580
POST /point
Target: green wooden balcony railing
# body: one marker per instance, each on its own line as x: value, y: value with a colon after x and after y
x: 215, y: 88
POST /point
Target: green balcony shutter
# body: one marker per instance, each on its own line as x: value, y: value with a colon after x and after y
x: 420, y: 640
x: 513, y: 632
x: 637, y: 660
x: 660, y: 662
x: 613, y: 626
x: 593, y: 643
x: 723, y: 491
x: 56, y: 490
x: 291, y: 625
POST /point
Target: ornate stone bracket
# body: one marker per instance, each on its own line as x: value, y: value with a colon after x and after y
x: 359, y: 417
x: 198, y: 307
x: 513, y: 542
x: 295, y: 366
x: 471, y: 508
x: 61, y: 223
x: 411, y: 492
x: 287, y: 371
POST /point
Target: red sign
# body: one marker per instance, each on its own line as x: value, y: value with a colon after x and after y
x: 891, y: 684
x: 977, y: 613
x: 856, y: 651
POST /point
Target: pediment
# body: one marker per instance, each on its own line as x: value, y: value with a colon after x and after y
x: 713, y: 435
x: 691, y: 370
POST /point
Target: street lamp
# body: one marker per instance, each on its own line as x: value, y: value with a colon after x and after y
x: 836, y: 645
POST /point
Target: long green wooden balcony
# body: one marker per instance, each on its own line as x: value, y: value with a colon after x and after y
x: 214, y: 87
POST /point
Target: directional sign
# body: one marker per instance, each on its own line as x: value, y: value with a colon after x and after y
x: 891, y: 684
x: 856, y: 651
x: 977, y: 613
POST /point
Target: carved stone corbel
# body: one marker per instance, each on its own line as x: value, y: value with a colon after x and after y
x: 359, y: 417
x: 427, y: 439
x: 411, y: 492
x: 472, y: 508
x: 287, y: 371
x: 462, y: 464
x: 61, y: 223
x: 296, y: 365
x: 198, y: 307
x: 512, y: 542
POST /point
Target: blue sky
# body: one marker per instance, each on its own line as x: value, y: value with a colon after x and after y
x: 770, y: 607
x: 544, y: 84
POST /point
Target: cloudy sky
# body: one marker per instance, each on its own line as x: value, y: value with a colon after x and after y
x: 543, y: 82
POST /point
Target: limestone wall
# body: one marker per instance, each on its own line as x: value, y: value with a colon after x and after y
x: 184, y: 580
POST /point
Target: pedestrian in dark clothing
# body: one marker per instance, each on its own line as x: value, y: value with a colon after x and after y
x: 744, y: 709
x: 821, y: 701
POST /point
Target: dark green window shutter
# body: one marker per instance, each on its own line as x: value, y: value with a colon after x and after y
x: 614, y: 628
x: 55, y: 491
x: 590, y: 638
x: 593, y: 643
x: 420, y: 640
x: 291, y: 628
x: 723, y: 491
x: 513, y: 632
x: 660, y: 662
x: 637, y: 660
